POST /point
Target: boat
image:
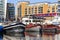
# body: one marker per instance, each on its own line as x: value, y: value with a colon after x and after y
x: 15, y: 28
x: 33, y: 27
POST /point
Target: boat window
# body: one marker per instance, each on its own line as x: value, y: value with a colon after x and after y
x: 26, y: 21
x: 34, y: 20
x: 38, y: 20
x: 29, y: 20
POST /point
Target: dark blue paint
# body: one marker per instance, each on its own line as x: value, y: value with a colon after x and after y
x: 1, y: 32
x: 1, y: 37
x: 1, y: 28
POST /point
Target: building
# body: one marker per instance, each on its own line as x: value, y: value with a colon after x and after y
x: 10, y: 16
x: 58, y: 7
x: 26, y: 8
x: 20, y: 9
x: 40, y: 8
x: 3, y: 4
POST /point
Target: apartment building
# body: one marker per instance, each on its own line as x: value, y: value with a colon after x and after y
x: 58, y: 8
x: 27, y: 8
x: 10, y: 16
x: 3, y: 4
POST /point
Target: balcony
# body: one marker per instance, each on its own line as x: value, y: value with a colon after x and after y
x: 58, y: 6
x: 58, y: 10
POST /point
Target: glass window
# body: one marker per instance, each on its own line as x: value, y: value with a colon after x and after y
x: 29, y: 20
x: 19, y: 11
x: 25, y: 10
x: 34, y: 20
x: 58, y: 2
x: 1, y: 19
x: 58, y: 6
x: 53, y: 9
x: 1, y: 13
x: 58, y: 10
x: 26, y: 20
x: 0, y: 1
x: 48, y: 11
x: 40, y: 9
x: 32, y: 10
x: 35, y: 9
x: 29, y: 10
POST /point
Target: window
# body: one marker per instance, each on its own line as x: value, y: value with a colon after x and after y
x: 26, y: 21
x: 38, y: 20
x: 58, y: 2
x: 25, y: 10
x: 58, y: 6
x: 1, y: 19
x: 19, y: 11
x: 29, y: 10
x: 58, y: 10
x: 32, y: 10
x: 35, y: 9
x: 40, y: 9
x: 34, y: 20
x: 0, y: 1
x: 11, y: 8
x: 1, y: 13
x: 29, y: 20
x: 53, y: 9
x: 48, y: 11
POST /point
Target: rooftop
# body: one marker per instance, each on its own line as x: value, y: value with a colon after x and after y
x: 39, y: 3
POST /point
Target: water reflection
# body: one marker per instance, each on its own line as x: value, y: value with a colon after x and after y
x: 1, y: 37
x: 44, y: 36
x: 37, y: 36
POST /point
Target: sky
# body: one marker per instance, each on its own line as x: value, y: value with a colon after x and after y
x: 31, y: 1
